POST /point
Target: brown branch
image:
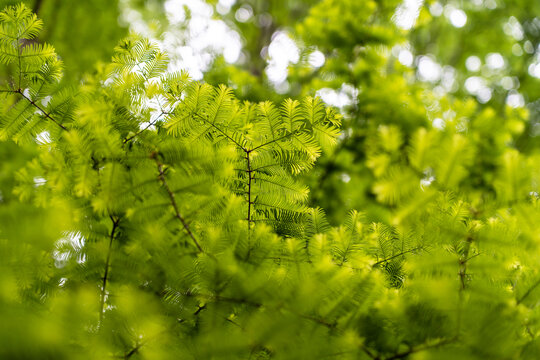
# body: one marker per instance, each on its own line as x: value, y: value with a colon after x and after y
x: 172, y: 198
x: 413, y: 350
x: 107, y: 263
x: 463, y: 263
x: 250, y: 178
x: 133, y: 351
x: 273, y: 141
x: 528, y: 292
x: 221, y: 131
x: 145, y: 128
x: 397, y: 255
x: 47, y: 115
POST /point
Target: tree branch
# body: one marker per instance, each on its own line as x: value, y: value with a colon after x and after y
x: 397, y: 255
x: 463, y: 263
x: 528, y: 292
x: 273, y: 141
x: 143, y: 129
x: 107, y: 262
x: 250, y: 178
x: 221, y: 131
x: 172, y: 198
x: 413, y: 350
x: 47, y: 115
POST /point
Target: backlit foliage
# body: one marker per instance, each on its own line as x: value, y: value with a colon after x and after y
x: 146, y: 215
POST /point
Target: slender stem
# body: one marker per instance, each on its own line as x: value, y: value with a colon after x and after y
x: 413, y: 350
x: 47, y: 115
x: 250, y: 178
x: 249, y: 170
x: 528, y: 292
x: 107, y: 263
x: 273, y: 141
x: 463, y: 263
x: 317, y: 320
x: 397, y: 255
x: 177, y: 213
x: 143, y: 129
x: 218, y: 129
x: 369, y: 352
x: 463, y: 279
x: 221, y: 131
x: 163, y: 112
x: 19, y: 53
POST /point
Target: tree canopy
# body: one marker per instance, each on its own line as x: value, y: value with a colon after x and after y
x: 342, y: 179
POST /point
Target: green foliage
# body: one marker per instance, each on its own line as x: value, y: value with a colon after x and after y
x: 146, y: 215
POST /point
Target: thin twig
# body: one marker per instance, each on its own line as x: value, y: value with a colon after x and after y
x: 413, y: 350
x: 172, y: 198
x: 47, y: 115
x: 133, y: 351
x: 273, y: 141
x: 145, y: 128
x: 397, y: 255
x: 221, y: 131
x: 107, y: 263
x: 250, y: 178
x: 528, y: 292
x: 37, y: 6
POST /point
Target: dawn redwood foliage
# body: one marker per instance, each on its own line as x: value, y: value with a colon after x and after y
x: 146, y: 215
